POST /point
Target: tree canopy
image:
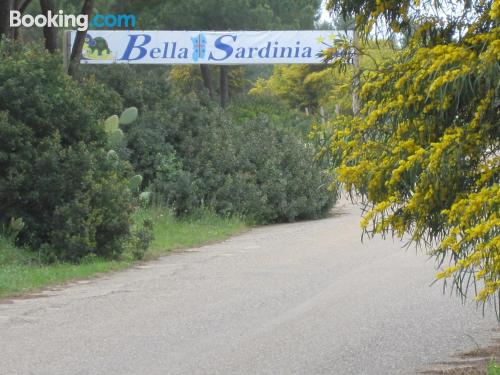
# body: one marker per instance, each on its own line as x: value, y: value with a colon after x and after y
x: 424, y: 155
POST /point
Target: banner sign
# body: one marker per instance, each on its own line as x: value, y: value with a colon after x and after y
x: 207, y: 47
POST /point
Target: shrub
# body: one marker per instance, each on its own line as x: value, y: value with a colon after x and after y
x: 252, y: 168
x: 261, y: 171
x: 56, y: 175
x: 35, y: 91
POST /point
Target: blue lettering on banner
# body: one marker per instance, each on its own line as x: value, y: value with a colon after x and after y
x: 223, y: 47
x: 179, y: 47
x: 131, y: 46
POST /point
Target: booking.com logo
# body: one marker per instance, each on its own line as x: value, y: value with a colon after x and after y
x: 79, y: 22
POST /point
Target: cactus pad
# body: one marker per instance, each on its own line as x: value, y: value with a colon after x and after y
x: 111, y: 124
x: 129, y: 116
x: 116, y: 137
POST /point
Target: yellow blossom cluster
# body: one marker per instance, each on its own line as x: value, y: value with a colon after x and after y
x: 425, y: 153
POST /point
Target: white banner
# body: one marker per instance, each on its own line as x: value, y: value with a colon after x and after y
x: 207, y: 47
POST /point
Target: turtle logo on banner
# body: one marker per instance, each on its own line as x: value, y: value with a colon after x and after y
x: 96, y: 48
x: 199, y: 47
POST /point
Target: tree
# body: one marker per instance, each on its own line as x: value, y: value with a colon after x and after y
x: 294, y: 14
x: 425, y: 154
x: 292, y: 84
x: 316, y: 86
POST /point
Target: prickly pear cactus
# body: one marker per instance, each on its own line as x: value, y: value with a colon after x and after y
x: 116, y: 138
x: 129, y: 116
x: 111, y: 124
x: 113, y: 157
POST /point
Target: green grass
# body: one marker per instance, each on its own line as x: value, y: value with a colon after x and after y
x: 493, y: 368
x: 21, y: 272
x: 205, y: 227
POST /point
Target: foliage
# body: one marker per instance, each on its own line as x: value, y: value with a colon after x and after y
x: 186, y: 79
x: 315, y: 86
x: 424, y: 156
x: 225, y: 14
x: 254, y: 169
x: 250, y: 160
x: 429, y: 23
x: 167, y: 123
x: 280, y: 115
x: 15, y: 227
x: 28, y: 75
x: 56, y: 174
x: 289, y: 83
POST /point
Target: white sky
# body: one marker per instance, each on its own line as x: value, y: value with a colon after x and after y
x: 325, y: 16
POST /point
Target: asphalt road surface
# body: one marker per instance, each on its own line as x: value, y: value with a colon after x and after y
x: 302, y: 298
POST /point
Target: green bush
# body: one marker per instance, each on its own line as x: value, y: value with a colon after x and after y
x: 56, y: 174
x: 251, y: 159
x: 35, y: 91
x: 260, y: 171
x: 253, y: 168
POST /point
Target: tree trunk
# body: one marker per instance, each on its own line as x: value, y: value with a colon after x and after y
x: 355, y: 81
x: 21, y: 6
x: 76, y: 52
x: 207, y: 79
x: 49, y: 33
x: 5, y: 7
x: 224, y: 87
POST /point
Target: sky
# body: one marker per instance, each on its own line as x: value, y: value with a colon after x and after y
x: 325, y: 15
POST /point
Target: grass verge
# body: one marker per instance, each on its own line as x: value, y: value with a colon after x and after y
x: 21, y: 272
x: 199, y: 229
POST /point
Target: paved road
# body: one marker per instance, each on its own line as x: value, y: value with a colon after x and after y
x: 304, y: 298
